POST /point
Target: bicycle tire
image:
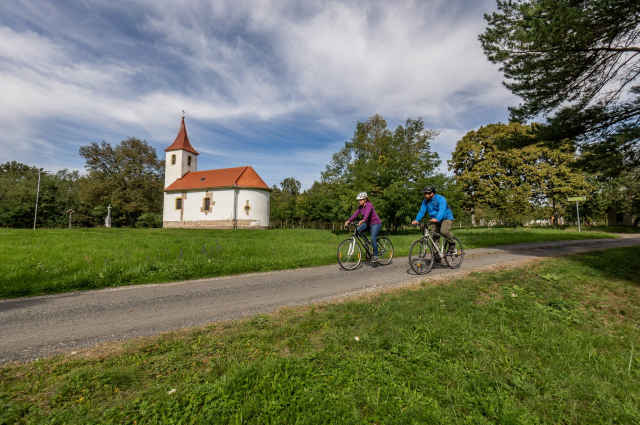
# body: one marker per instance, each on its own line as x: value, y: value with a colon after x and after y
x: 454, y: 261
x: 421, y: 256
x: 385, y: 250
x: 349, y: 260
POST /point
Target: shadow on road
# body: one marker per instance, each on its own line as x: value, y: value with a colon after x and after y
x: 20, y: 303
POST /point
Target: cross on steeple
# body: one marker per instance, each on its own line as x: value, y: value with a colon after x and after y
x: 183, y: 113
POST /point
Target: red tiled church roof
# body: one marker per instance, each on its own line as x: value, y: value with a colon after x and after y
x: 225, y: 177
x: 182, y: 141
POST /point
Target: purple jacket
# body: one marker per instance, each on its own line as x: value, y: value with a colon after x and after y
x: 368, y: 214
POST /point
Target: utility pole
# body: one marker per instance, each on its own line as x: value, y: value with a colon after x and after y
x: 35, y: 215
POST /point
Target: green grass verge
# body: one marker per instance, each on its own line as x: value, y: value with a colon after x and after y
x: 553, y: 342
x: 616, y: 229
x: 55, y: 261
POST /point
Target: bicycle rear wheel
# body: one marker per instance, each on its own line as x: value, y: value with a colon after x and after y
x: 455, y: 260
x: 385, y: 250
x: 421, y: 256
x: 349, y: 254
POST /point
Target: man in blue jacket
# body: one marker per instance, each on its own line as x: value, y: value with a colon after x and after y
x: 440, y: 213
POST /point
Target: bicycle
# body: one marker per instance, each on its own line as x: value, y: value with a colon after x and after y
x: 425, y: 251
x: 350, y: 250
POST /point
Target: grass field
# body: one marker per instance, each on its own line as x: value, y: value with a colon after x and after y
x: 552, y: 342
x: 54, y: 261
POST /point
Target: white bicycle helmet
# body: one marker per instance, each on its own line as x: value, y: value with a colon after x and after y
x: 361, y: 195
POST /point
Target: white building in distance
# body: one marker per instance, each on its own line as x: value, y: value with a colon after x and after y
x: 227, y: 198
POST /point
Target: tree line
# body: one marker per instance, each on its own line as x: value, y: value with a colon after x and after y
x: 129, y: 177
x: 392, y: 166
x: 502, y: 173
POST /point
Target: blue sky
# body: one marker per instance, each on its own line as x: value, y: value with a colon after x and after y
x: 279, y: 85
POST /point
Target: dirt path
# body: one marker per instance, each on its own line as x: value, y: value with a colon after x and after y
x: 42, y: 326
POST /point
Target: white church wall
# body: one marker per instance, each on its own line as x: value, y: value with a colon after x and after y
x: 169, y: 212
x: 175, y: 171
x: 221, y: 205
x: 258, y: 211
x: 221, y: 211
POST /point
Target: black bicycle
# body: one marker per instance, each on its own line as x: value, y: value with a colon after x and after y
x: 350, y: 250
x: 425, y: 251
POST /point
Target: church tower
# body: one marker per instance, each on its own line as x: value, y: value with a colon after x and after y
x: 180, y: 158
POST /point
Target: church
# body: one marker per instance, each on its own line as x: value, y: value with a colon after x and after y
x: 228, y: 198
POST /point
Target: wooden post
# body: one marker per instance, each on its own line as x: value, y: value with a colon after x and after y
x: 70, y: 212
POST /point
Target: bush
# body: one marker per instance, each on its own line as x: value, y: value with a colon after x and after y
x: 149, y: 220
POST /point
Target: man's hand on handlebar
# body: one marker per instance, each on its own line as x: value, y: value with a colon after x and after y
x: 415, y: 223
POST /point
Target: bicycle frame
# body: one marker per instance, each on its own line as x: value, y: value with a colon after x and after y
x: 364, y: 241
x: 427, y: 236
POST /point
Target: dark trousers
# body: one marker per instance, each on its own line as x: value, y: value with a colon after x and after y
x: 444, y: 228
x: 375, y: 230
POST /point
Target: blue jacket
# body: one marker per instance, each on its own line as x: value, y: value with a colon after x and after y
x: 437, y: 208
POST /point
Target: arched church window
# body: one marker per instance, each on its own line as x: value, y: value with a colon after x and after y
x: 178, y: 203
x: 189, y: 160
x: 173, y: 160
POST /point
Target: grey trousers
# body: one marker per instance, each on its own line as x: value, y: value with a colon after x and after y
x: 444, y: 228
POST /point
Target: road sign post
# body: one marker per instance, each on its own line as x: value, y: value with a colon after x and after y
x: 577, y: 199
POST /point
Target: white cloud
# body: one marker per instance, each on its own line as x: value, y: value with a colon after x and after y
x: 71, y: 74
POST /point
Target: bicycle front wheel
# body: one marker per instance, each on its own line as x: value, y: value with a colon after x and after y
x: 455, y: 260
x: 421, y: 256
x: 349, y: 254
x: 385, y: 250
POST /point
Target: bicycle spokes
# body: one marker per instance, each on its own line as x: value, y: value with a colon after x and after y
x: 421, y: 256
x: 349, y: 254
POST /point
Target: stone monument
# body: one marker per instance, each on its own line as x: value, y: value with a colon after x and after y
x: 107, y: 221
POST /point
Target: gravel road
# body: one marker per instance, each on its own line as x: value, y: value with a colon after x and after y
x: 42, y: 326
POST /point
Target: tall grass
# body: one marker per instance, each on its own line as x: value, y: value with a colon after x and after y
x: 54, y: 261
x: 555, y: 342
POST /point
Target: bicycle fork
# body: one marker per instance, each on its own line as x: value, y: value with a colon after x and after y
x: 352, y: 246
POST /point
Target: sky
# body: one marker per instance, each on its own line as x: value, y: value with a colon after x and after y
x: 278, y: 85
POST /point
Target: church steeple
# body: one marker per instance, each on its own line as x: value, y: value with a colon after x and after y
x: 180, y: 158
x: 182, y: 141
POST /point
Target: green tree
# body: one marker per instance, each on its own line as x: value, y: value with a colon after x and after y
x: 487, y: 169
x: 551, y: 174
x: 317, y: 204
x: 578, y: 59
x: 129, y: 176
x: 18, y: 187
x: 390, y: 166
x: 18, y: 184
x: 627, y: 198
x: 514, y: 205
x: 284, y: 201
x: 490, y: 216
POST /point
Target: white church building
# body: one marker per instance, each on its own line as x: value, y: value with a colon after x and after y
x: 228, y: 198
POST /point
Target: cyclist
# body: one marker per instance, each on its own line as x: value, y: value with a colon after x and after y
x: 441, y: 216
x: 370, y: 220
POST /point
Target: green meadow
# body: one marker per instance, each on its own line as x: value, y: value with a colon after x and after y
x: 556, y: 341
x: 48, y: 261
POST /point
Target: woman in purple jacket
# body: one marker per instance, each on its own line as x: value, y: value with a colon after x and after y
x: 370, y: 220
